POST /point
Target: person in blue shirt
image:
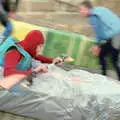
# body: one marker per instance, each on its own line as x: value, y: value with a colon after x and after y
x: 106, y: 25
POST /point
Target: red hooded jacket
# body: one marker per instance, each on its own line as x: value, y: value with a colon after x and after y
x: 30, y: 43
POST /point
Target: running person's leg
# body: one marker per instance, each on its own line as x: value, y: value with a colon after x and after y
x: 7, y: 25
x: 8, y: 29
x: 102, y: 59
x: 115, y: 60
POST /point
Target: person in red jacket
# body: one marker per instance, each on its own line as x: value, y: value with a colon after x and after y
x: 31, y: 44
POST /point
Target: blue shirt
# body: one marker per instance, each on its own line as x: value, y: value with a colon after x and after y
x: 105, y: 23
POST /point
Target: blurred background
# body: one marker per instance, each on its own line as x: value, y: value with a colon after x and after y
x: 60, y: 14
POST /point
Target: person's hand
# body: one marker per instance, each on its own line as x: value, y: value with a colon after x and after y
x: 41, y: 69
x: 12, y: 15
x: 58, y: 61
x: 95, y: 50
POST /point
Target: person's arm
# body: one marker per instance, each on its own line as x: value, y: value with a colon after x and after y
x: 10, y: 81
x: 1, y: 6
x: 95, y: 22
x: 11, y: 60
x: 44, y: 59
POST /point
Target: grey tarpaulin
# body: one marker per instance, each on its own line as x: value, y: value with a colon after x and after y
x: 65, y: 95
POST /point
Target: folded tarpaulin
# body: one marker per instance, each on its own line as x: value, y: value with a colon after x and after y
x: 65, y: 95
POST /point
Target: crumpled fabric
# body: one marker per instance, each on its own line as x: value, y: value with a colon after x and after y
x: 65, y: 95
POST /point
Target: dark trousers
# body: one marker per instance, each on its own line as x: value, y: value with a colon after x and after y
x: 108, y: 50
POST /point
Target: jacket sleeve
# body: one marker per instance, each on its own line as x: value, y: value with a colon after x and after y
x: 11, y: 60
x: 95, y: 22
x: 44, y: 59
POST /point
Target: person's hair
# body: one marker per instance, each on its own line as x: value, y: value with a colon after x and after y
x: 87, y: 4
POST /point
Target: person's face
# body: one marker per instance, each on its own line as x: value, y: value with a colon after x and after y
x: 84, y: 11
x: 39, y: 49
